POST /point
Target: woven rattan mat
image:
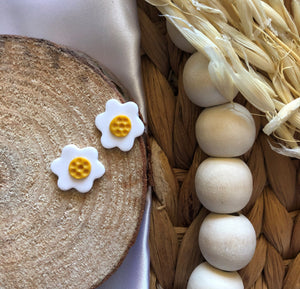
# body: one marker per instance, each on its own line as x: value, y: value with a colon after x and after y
x: 176, y: 216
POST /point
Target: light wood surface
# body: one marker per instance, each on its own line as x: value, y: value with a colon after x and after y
x: 49, y: 98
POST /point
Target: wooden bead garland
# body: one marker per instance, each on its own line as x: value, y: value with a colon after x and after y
x: 227, y: 242
x: 224, y: 132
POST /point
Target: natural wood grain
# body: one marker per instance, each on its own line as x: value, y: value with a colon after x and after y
x: 49, y: 97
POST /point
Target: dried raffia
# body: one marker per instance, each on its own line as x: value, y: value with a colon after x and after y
x: 291, y: 71
x: 276, y: 19
x: 256, y: 116
x: 294, y: 119
x: 282, y: 116
x: 281, y: 89
x: 296, y: 13
x: 221, y: 79
x: 243, y: 37
x: 251, y: 85
x: 280, y: 8
x: 248, y: 10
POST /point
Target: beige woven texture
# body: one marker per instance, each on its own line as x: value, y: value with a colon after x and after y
x: 50, y: 97
x: 274, y: 208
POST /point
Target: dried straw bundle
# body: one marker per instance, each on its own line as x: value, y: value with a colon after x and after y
x: 274, y: 208
x: 255, y: 45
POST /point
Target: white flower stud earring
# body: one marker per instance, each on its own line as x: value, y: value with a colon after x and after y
x: 77, y: 168
x: 119, y: 124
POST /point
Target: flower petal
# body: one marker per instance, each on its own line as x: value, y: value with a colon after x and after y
x: 100, y: 121
x: 113, y: 106
x: 89, y: 153
x: 58, y: 166
x: 98, y: 169
x: 64, y: 184
x: 138, y: 128
x: 69, y: 151
x: 131, y: 108
x: 108, y: 142
x: 84, y: 187
x: 55, y: 166
x: 127, y: 145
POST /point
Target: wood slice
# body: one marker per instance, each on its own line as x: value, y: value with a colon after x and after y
x: 49, y: 98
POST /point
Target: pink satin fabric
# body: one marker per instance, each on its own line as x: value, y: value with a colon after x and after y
x: 107, y: 31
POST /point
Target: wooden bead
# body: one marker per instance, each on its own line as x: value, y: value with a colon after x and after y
x: 226, y: 130
x: 223, y: 185
x: 206, y: 276
x: 178, y: 39
x: 227, y: 242
x: 198, y: 84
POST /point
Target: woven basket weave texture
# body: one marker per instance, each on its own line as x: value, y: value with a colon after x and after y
x: 274, y: 208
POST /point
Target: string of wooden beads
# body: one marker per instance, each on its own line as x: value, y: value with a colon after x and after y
x: 224, y: 131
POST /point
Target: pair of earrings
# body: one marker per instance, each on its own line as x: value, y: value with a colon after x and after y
x: 78, y: 168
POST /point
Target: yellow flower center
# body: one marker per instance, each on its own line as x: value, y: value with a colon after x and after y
x: 80, y: 168
x: 120, y: 126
